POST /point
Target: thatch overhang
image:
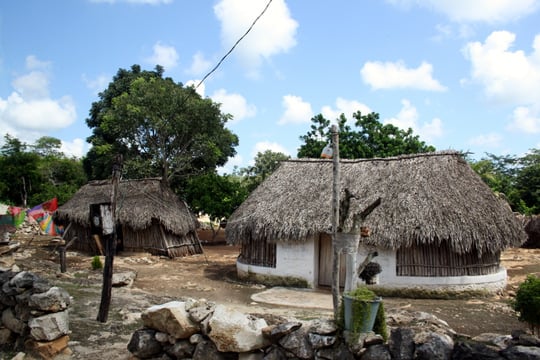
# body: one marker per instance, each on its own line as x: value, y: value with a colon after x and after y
x: 138, y: 202
x: 426, y: 198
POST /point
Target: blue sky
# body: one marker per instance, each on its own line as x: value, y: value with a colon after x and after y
x: 464, y: 74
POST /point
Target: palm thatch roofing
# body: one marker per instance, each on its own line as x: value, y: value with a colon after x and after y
x: 138, y: 202
x: 426, y: 198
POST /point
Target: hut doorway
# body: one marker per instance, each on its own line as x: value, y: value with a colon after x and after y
x: 325, y: 262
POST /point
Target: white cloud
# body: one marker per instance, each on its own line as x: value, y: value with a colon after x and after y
x: 408, y: 118
x: 491, y: 140
x: 236, y: 161
x: 297, y: 111
x: 476, y: 11
x: 391, y: 75
x: 97, y: 84
x: 234, y: 104
x: 77, y: 148
x: 200, y: 90
x: 525, y: 120
x: 164, y: 55
x: 262, y: 146
x: 346, y: 107
x: 507, y: 76
x: 199, y: 65
x: 29, y: 112
x: 274, y: 33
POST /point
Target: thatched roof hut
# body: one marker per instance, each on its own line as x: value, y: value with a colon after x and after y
x: 431, y: 199
x: 150, y: 216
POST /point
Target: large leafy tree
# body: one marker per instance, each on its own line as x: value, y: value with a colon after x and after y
x: 32, y: 174
x: 160, y: 127
x: 369, y: 139
x: 265, y: 163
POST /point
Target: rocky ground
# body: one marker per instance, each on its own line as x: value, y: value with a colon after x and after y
x: 212, y: 276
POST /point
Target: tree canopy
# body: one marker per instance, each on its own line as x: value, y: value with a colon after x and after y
x: 369, y: 139
x: 32, y: 174
x: 265, y: 163
x: 160, y: 127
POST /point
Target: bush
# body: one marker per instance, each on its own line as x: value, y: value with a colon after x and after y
x: 527, y: 303
x: 96, y: 263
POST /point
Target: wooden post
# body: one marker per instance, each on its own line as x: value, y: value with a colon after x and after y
x: 62, y: 254
x: 110, y: 246
x: 335, y: 219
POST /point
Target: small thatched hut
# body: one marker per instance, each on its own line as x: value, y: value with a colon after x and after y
x: 150, y: 218
x: 438, y: 224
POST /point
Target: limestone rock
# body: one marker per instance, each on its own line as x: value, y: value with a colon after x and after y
x: 170, y: 318
x: 11, y: 322
x: 53, y: 300
x: 433, y: 346
x: 125, y: 278
x: 49, y: 327
x: 234, y: 331
x: 143, y: 344
x: 48, y: 349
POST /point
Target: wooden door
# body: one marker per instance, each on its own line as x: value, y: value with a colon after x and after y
x: 325, y: 262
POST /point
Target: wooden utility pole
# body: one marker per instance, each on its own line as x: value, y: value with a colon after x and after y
x: 110, y: 245
x: 336, y: 250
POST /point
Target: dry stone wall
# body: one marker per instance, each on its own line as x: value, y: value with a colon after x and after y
x: 34, y: 314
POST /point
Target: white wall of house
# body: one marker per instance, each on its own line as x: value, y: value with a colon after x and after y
x: 301, y: 260
x: 389, y: 279
x: 298, y: 260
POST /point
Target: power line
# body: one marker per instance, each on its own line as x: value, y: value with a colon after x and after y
x: 235, y: 44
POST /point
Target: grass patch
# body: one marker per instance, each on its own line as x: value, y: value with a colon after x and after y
x: 272, y: 280
x: 417, y: 293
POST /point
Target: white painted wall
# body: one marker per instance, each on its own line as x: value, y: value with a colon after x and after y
x: 299, y: 260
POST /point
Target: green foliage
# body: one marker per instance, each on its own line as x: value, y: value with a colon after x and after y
x: 32, y: 174
x: 96, y: 263
x: 160, y: 127
x: 518, y: 178
x: 370, y: 139
x: 527, y: 303
x: 265, y: 164
x: 380, y: 323
x: 215, y: 195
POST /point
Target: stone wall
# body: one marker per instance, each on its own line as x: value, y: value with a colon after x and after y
x: 201, y: 330
x: 34, y: 314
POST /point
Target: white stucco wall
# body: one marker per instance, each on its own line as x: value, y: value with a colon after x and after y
x: 301, y: 260
x: 388, y: 277
x: 298, y: 260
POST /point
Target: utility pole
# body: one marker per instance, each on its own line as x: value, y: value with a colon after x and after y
x: 110, y: 244
x: 336, y: 250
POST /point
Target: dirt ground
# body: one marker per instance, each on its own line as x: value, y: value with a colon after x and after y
x: 212, y: 276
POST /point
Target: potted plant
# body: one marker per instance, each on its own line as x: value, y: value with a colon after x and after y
x: 360, y: 307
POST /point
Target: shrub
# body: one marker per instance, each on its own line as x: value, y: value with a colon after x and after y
x: 96, y: 263
x: 527, y: 303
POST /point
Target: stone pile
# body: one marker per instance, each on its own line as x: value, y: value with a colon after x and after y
x: 34, y: 314
x: 200, y: 330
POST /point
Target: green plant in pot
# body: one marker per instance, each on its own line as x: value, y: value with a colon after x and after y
x: 359, y: 311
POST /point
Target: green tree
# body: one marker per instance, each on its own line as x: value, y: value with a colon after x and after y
x: 370, y: 139
x: 527, y: 182
x: 265, y: 164
x: 215, y: 195
x: 160, y: 127
x: 19, y: 175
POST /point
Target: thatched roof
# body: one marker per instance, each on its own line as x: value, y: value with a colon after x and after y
x: 138, y: 202
x: 425, y: 198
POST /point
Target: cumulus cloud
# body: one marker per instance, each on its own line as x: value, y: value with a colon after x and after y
x: 525, y: 120
x: 194, y: 83
x: 234, y: 104
x: 274, y: 33
x: 97, y: 84
x: 29, y: 112
x: 346, y: 107
x: 297, y: 111
x: 262, y: 146
x: 491, y: 140
x: 408, y: 118
x: 75, y: 148
x: 163, y: 55
x: 506, y: 75
x: 392, y: 75
x: 476, y: 11
x: 199, y: 65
